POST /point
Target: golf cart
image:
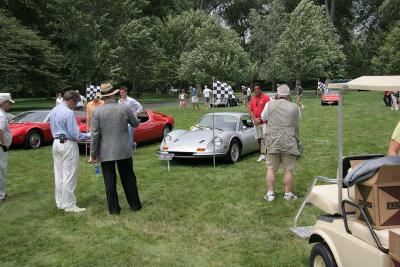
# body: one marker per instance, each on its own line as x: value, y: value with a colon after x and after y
x: 339, y: 238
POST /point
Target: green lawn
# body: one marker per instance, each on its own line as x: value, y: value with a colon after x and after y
x: 193, y: 216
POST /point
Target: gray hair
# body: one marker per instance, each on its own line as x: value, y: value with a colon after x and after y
x: 71, y: 95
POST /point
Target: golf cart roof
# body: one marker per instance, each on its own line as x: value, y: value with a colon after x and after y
x: 373, y: 83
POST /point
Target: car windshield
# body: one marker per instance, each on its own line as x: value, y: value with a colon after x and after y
x: 332, y: 92
x: 226, y: 122
x: 34, y: 116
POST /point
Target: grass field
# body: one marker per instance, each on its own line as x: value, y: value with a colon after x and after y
x: 193, y: 216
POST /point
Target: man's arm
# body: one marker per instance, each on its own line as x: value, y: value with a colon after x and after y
x: 132, y: 118
x: 73, y: 129
x: 394, y: 148
x: 138, y: 107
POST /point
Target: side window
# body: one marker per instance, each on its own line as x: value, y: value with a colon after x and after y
x: 246, y: 121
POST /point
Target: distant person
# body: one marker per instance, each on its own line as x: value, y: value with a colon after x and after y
x: 111, y: 146
x: 95, y: 103
x: 5, y: 141
x: 206, y: 95
x: 59, y: 99
x: 81, y: 103
x: 394, y: 96
x: 256, y: 106
x: 244, y: 95
x: 66, y: 133
x: 135, y: 107
x: 182, y: 99
x: 387, y: 98
x: 195, y: 99
x: 394, y: 144
x: 299, y: 93
x: 248, y: 95
x: 282, y: 141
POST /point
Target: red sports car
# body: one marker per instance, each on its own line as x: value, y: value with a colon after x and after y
x: 153, y: 126
x: 331, y: 97
x: 32, y: 128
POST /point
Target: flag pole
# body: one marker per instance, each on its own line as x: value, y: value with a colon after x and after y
x: 86, y: 122
x: 213, y: 139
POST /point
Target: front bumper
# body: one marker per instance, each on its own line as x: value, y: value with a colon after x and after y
x: 191, y: 155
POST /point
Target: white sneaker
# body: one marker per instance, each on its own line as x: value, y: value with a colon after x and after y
x: 269, y: 196
x: 261, y: 158
x: 290, y: 196
x: 75, y: 209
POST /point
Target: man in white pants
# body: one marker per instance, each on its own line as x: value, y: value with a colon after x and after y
x: 65, y: 151
x: 5, y: 141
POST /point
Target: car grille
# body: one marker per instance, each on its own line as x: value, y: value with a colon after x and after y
x: 182, y: 154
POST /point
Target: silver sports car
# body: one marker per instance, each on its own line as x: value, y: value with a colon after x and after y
x: 227, y: 134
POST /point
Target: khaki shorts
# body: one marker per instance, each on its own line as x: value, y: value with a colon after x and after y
x: 260, y: 131
x: 287, y: 161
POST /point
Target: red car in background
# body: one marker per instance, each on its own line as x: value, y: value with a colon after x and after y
x: 153, y: 126
x: 330, y: 97
x: 31, y: 129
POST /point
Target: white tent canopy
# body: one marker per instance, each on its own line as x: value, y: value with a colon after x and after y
x: 373, y: 83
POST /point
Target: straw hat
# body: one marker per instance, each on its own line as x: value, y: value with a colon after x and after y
x: 106, y: 89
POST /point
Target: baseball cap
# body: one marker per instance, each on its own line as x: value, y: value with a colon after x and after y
x: 6, y: 97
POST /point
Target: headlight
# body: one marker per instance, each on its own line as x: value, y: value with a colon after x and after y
x: 167, y: 138
x: 218, y: 141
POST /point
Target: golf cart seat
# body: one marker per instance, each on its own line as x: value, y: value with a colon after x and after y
x: 325, y: 197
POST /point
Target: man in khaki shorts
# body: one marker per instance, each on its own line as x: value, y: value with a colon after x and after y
x: 282, y: 139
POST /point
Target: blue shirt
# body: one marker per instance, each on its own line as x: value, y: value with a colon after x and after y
x: 63, y: 121
x: 194, y: 91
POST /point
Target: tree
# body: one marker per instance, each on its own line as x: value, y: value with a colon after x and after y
x: 135, y: 56
x: 387, y: 60
x: 26, y: 60
x: 266, y: 30
x: 309, y: 47
x: 205, y: 49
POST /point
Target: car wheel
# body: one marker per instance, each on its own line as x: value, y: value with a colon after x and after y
x: 233, y: 154
x: 321, y: 256
x: 167, y: 129
x: 33, y: 139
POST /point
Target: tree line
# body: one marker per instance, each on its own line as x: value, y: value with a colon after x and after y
x: 152, y: 45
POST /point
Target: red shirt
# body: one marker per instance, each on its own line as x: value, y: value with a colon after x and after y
x: 257, y: 104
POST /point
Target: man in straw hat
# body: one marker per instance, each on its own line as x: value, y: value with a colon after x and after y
x: 111, y: 145
x: 282, y: 141
x: 5, y: 140
x: 65, y: 131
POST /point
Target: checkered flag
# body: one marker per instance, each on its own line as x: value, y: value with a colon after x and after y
x: 91, y: 92
x: 222, y: 90
x: 321, y: 86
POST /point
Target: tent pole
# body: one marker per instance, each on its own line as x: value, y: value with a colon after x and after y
x: 213, y: 141
x: 340, y: 151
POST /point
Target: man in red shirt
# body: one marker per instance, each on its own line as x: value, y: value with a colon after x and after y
x: 257, y: 105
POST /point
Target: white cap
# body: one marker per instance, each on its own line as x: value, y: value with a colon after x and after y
x: 205, y: 86
x: 6, y: 97
x: 283, y: 90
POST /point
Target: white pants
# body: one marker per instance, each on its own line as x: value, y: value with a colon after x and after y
x: 394, y: 102
x: 3, y: 173
x: 66, y: 163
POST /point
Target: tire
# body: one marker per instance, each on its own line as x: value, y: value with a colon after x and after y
x: 33, y: 139
x: 167, y: 129
x: 321, y: 256
x: 234, y: 151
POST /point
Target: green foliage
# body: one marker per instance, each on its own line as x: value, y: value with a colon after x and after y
x: 387, y: 60
x: 26, y: 60
x: 266, y: 29
x: 309, y: 47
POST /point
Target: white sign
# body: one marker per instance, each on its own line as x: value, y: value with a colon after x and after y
x: 165, y: 156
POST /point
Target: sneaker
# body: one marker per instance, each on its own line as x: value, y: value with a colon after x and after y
x: 290, y: 196
x: 261, y: 158
x: 75, y: 209
x: 269, y: 196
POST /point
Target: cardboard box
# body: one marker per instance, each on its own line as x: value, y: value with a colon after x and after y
x: 394, y: 243
x: 380, y: 197
x: 395, y: 261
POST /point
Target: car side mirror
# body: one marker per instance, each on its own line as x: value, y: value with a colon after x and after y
x: 244, y: 128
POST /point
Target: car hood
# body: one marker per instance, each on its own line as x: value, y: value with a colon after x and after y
x: 194, y: 138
